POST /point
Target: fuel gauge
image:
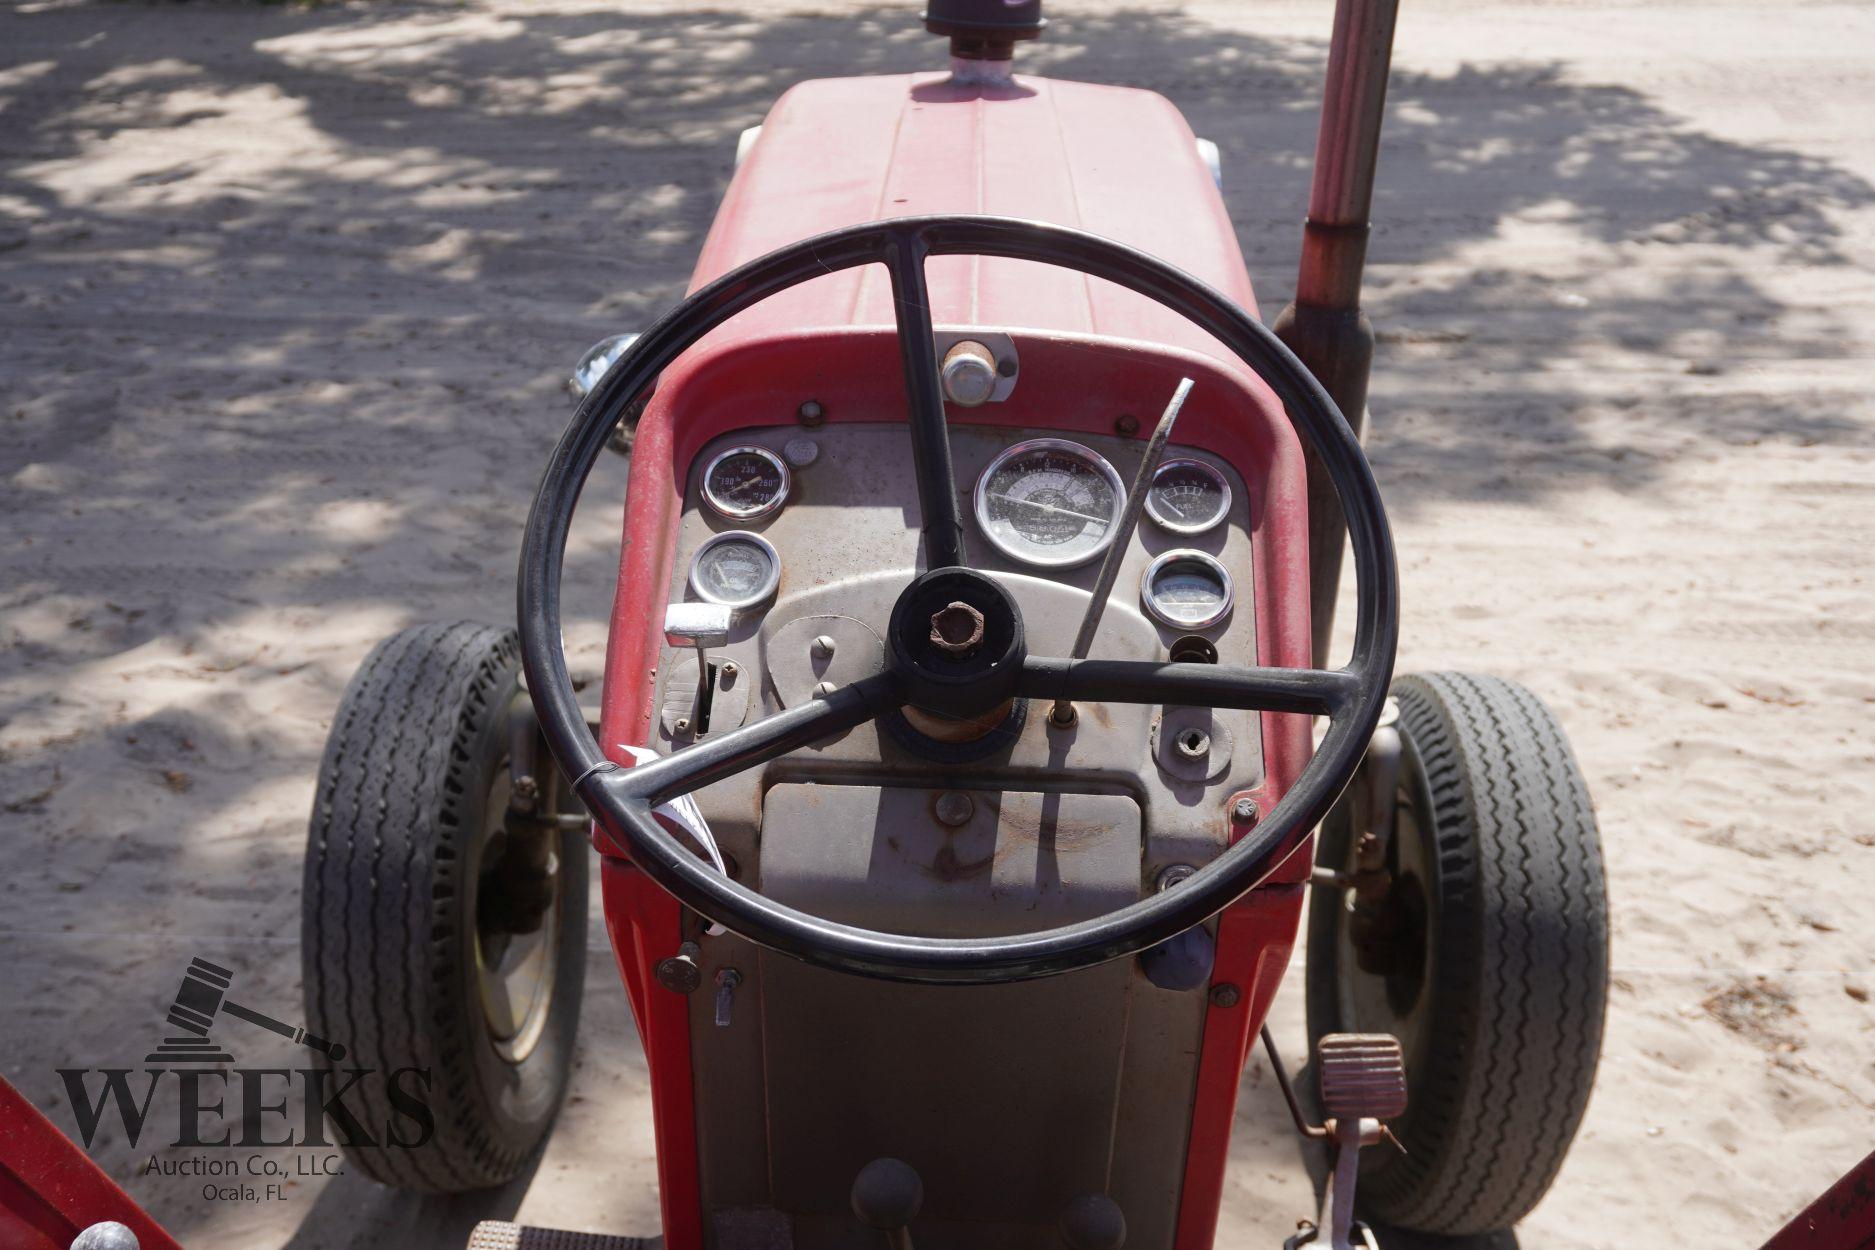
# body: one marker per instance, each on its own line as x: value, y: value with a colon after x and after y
x: 1187, y: 496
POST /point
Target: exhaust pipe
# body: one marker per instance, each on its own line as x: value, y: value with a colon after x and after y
x: 1325, y: 326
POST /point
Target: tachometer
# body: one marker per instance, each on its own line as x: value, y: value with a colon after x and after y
x: 746, y: 482
x: 1049, y: 502
x: 1187, y: 496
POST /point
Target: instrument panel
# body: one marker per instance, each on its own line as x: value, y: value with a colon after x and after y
x: 1050, y: 505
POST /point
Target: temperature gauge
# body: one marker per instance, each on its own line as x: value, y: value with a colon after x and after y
x: 1186, y: 590
x: 1187, y: 496
x: 737, y: 569
x: 746, y: 482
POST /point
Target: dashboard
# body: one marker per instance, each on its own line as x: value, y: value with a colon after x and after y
x: 811, y: 535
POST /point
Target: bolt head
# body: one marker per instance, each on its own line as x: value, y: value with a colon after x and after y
x: 954, y: 808
x: 679, y: 973
x: 1244, y: 811
x: 957, y: 629
x: 823, y: 646
x: 825, y: 688
x: 811, y: 414
x: 1225, y: 995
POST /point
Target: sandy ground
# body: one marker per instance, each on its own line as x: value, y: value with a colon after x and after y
x: 286, y: 296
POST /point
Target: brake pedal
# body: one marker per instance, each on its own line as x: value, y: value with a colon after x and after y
x: 1362, y: 1081
x: 1362, y: 1076
x: 501, y: 1235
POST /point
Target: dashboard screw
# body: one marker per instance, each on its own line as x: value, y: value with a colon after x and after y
x: 1127, y: 425
x: 954, y: 808
x: 811, y: 414
x: 1225, y: 995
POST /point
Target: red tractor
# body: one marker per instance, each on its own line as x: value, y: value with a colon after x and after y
x: 967, y: 748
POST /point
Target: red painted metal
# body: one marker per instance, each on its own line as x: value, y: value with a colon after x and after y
x: 1842, y: 1218
x: 1114, y: 161
x: 50, y: 1190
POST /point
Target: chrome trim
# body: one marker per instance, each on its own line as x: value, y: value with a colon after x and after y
x: 1153, y: 610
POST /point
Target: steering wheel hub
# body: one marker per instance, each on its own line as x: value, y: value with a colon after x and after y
x: 956, y: 643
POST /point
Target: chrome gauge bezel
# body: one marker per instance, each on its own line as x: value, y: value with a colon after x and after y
x: 737, y: 512
x: 1093, y: 459
x: 762, y: 594
x: 1150, y: 601
x: 1187, y: 527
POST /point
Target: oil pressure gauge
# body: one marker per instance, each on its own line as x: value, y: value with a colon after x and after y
x: 736, y: 569
x: 1188, y: 496
x: 1186, y: 589
x: 744, y: 483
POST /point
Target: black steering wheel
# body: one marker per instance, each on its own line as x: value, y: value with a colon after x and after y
x: 998, y: 668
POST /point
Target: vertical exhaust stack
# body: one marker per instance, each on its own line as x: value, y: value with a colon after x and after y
x: 983, y: 35
x: 1325, y: 326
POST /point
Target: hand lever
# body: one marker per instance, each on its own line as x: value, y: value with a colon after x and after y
x: 1063, y: 713
x: 886, y: 1195
x: 699, y: 625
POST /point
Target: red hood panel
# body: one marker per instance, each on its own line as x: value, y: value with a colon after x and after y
x: 1113, y: 161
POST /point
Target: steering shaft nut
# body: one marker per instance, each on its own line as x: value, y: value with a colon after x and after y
x: 957, y: 629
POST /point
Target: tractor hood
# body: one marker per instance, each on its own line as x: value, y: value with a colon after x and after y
x: 1109, y: 160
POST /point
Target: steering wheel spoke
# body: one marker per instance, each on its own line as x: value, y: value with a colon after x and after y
x: 738, y: 750
x: 1313, y: 691
x: 943, y: 527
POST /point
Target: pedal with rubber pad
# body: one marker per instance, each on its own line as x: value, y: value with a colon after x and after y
x: 1362, y: 1081
x: 501, y: 1235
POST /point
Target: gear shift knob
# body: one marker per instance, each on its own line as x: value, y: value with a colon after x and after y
x: 886, y: 1195
x: 1093, y: 1222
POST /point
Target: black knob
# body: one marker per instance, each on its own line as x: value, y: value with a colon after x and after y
x: 1093, y: 1222
x: 887, y: 1194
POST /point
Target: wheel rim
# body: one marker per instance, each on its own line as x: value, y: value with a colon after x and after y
x: 514, y: 972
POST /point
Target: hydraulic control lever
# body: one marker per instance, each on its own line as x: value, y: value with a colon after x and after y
x: 699, y: 625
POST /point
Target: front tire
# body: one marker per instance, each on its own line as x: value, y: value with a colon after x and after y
x: 411, y: 953
x: 1495, y: 977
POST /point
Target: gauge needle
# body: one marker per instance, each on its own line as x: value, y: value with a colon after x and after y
x: 1048, y: 507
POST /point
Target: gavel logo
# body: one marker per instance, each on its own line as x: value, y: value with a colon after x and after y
x: 203, y: 995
